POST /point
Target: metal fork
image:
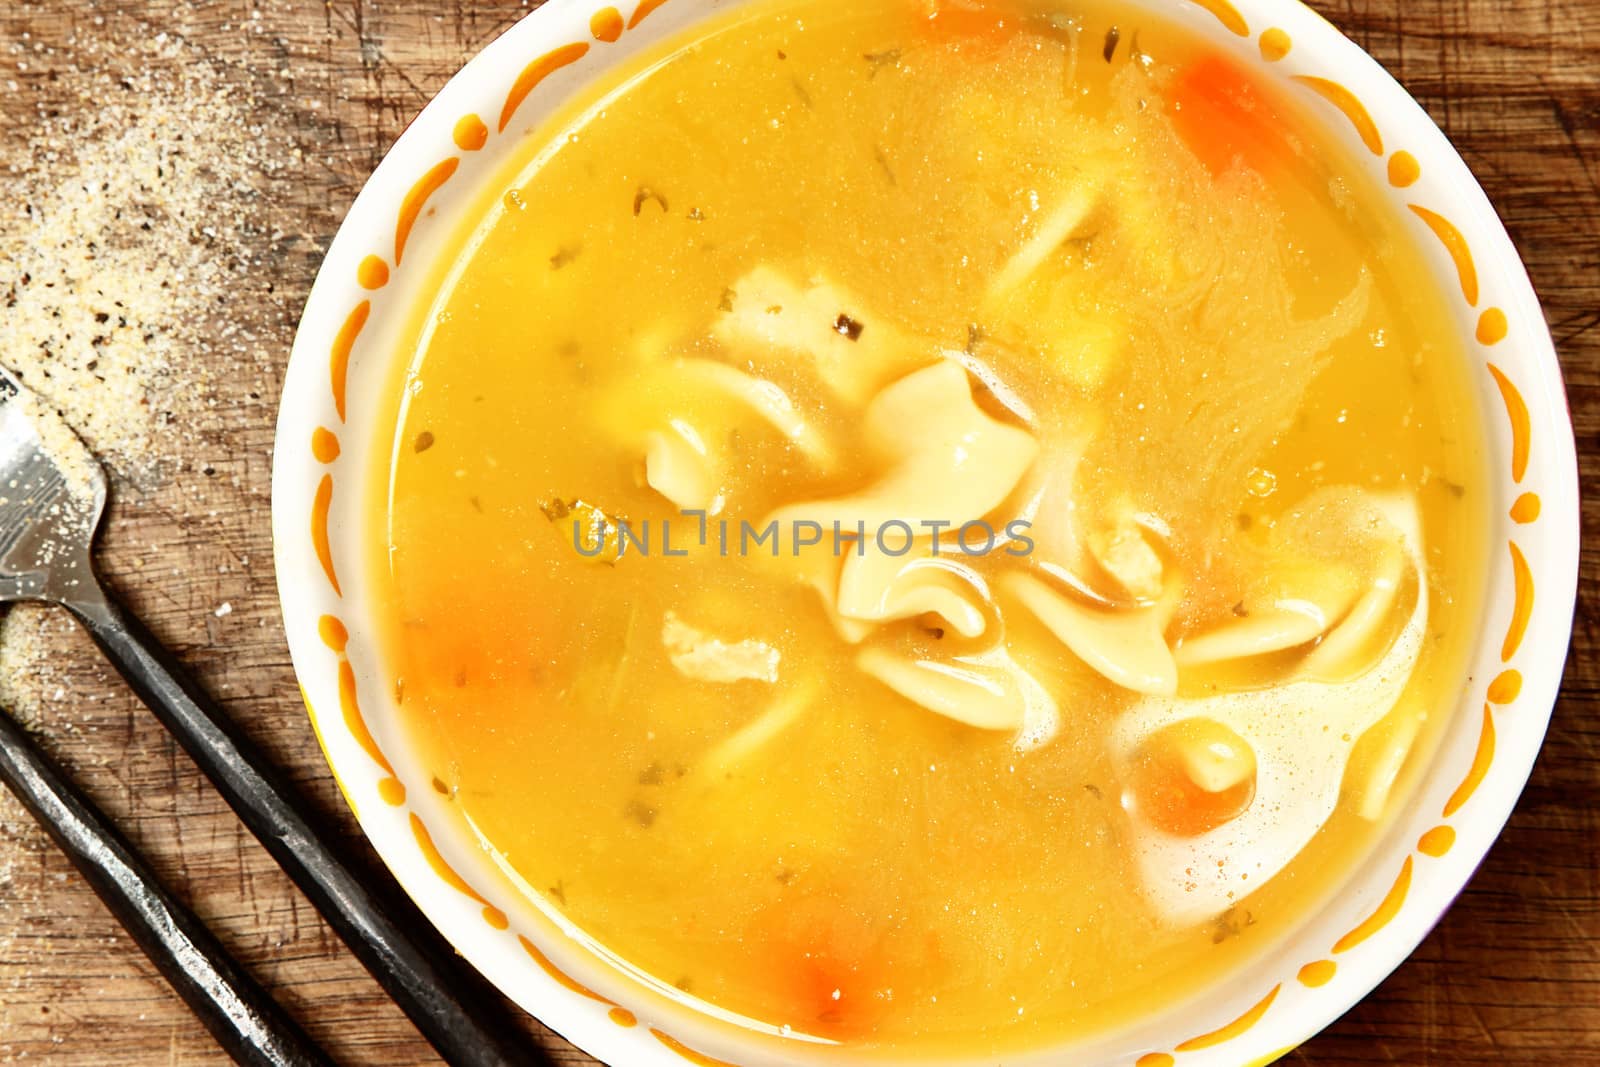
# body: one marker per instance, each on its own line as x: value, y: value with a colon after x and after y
x: 52, y: 495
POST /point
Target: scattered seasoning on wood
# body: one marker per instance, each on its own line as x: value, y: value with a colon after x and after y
x: 35, y: 686
x: 140, y: 209
x: 31, y: 681
x: 847, y: 327
x: 566, y: 254
x: 647, y: 195
x: 423, y: 442
x: 1113, y: 38
x: 60, y: 444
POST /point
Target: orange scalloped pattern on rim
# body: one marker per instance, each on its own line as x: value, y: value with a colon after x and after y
x: 470, y: 134
x: 1481, y: 761
x: 1228, y: 15
x: 1455, y: 243
x: 333, y: 633
x: 1393, y: 901
x: 645, y: 9
x: 1521, y: 424
x: 321, y: 503
x: 606, y: 24
x: 1317, y: 974
x: 1234, y: 1029
x: 558, y: 974
x: 339, y: 355
x: 411, y: 207
x: 324, y: 445
x: 1350, y: 105
x: 699, y: 1058
x: 1506, y: 687
x: 1521, y: 604
x: 1493, y: 327
x: 1404, y: 170
x: 1275, y: 44
x: 1437, y: 842
x: 536, y: 72
x: 430, y: 852
x: 372, y: 273
x: 390, y: 788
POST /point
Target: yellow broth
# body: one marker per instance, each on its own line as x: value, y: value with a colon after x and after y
x: 874, y: 873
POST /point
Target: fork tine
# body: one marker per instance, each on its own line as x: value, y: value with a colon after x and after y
x: 52, y: 492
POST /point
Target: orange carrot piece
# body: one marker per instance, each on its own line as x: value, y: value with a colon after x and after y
x: 1164, y: 795
x: 837, y: 967
x: 987, y: 23
x: 1223, y: 116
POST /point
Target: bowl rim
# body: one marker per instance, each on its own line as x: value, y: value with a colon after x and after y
x: 1387, y: 908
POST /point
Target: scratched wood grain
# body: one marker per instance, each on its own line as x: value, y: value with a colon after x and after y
x: 1511, y: 976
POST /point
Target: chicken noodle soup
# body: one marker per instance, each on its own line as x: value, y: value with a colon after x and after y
x: 824, y: 271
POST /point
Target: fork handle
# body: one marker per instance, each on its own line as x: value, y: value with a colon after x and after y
x: 244, y: 1019
x: 389, y: 942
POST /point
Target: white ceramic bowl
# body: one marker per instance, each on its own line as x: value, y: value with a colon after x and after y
x: 326, y: 431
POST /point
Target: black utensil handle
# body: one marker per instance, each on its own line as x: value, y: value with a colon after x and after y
x: 417, y: 976
x: 244, y: 1019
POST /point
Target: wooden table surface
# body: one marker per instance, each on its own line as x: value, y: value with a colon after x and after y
x: 1511, y: 976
